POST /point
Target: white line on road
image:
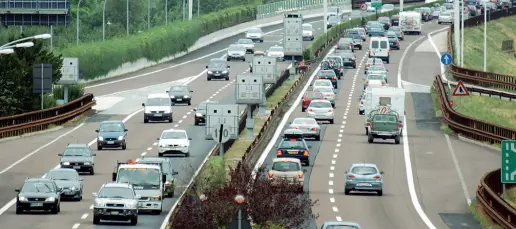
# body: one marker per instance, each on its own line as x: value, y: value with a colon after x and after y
x: 339, y: 219
x: 149, y: 149
x: 330, y: 191
x: 335, y: 209
x: 332, y: 200
x: 75, y: 226
x: 459, y: 171
x: 84, y: 216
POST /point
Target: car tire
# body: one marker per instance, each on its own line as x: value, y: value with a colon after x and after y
x: 243, y: 60
x: 227, y: 78
x: 439, y: 23
x: 189, y: 102
x: 196, y: 123
x: 397, y: 140
x: 156, y: 212
x: 370, y: 138
x: 318, y: 137
x: 261, y: 41
x: 366, y: 131
x: 19, y: 211
x: 347, y: 191
x: 307, y: 162
x: 145, y: 120
x: 388, y: 60
x: 228, y: 59
x: 160, y: 154
x: 360, y: 48
x: 134, y: 220
x: 124, y: 147
x: 303, y: 109
x: 187, y: 154
x: 380, y: 193
x: 355, y: 66
x: 209, y: 78
x: 55, y: 209
x: 96, y: 219
x: 170, y: 120
x: 332, y: 121
x: 99, y: 148
x: 92, y: 171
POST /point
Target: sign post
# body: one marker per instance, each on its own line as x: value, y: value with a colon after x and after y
x: 220, y: 133
x: 249, y: 90
x: 42, y: 80
x: 377, y: 4
x: 447, y: 59
x: 267, y: 68
x: 508, y: 165
x: 69, y: 74
x: 460, y: 90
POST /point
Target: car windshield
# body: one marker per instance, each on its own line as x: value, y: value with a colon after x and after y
x: 173, y: 135
x: 292, y: 144
x: 364, y: 170
x: 116, y: 193
x: 320, y: 105
x: 41, y: 187
x: 324, y: 89
x: 157, y: 102
x: 63, y: 175
x: 245, y: 41
x: 307, y: 27
x: 78, y: 152
x: 326, y: 73
x: 375, y: 77
x: 312, y: 95
x: 285, y: 166
x: 139, y: 176
x: 304, y: 121
x: 217, y: 64
x: 111, y: 127
x: 322, y: 83
x: 377, y: 68
x: 445, y: 14
x: 179, y: 89
x: 276, y: 49
x: 254, y: 30
x: 374, y: 61
x: 235, y: 48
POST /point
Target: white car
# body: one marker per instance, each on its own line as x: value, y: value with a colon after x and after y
x: 248, y: 44
x: 255, y: 34
x: 321, y: 110
x: 158, y: 107
x: 322, y: 83
x: 174, y: 141
x: 276, y: 51
x: 386, y: 8
x: 328, y: 94
x: 308, y: 32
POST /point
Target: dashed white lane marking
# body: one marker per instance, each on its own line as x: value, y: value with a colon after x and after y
x: 332, y: 200
x: 332, y: 175
x: 75, y: 226
x: 150, y: 148
x: 330, y: 191
x: 335, y: 155
x: 336, y: 150
x: 188, y: 113
x: 335, y: 209
x: 338, y: 145
x: 339, y: 219
x: 339, y: 140
x: 332, y: 168
x: 155, y: 143
x: 180, y: 121
x: 330, y: 183
x: 184, y: 116
x: 333, y: 162
x: 84, y: 216
x: 144, y: 153
x: 91, y: 207
x: 176, y: 125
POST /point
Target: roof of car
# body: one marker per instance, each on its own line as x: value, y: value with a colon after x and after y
x: 77, y: 145
x: 112, y: 121
x: 174, y: 130
x: 64, y: 169
x: 363, y: 164
x: 217, y: 60
x: 328, y: 223
x: 153, y: 159
x: 38, y: 180
x: 320, y: 101
x: 117, y: 184
x: 158, y: 96
x: 286, y: 159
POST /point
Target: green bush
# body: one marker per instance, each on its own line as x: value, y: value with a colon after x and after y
x: 334, y: 32
x: 99, y: 58
x: 213, y: 176
x: 74, y: 91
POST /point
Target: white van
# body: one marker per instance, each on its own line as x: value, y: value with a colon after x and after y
x: 158, y: 107
x: 379, y: 48
x: 410, y: 22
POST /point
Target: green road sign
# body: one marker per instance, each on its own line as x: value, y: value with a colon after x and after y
x: 508, y: 161
x: 376, y: 4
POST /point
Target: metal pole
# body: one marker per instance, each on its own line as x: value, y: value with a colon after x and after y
x: 221, y: 149
x: 198, y: 8
x: 401, y: 5
x: 21, y: 29
x: 104, y: 21
x: 51, y: 38
x: 485, y: 38
x: 325, y: 6
x: 221, y: 145
x: 190, y: 9
x: 78, y: 12
x: 249, y: 122
x: 184, y: 9
x: 42, y: 106
x: 65, y: 93
x: 456, y: 32
x: 148, y: 14
x: 262, y: 110
x: 127, y: 16
x: 166, y: 12
x: 462, y: 39
x: 239, y: 217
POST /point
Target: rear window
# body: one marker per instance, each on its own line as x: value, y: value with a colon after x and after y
x: 324, y: 90
x: 348, y: 55
x: 304, y: 121
x: 375, y: 77
x: 285, y: 166
x: 322, y: 83
x: 364, y: 170
x: 326, y: 73
x: 374, y: 44
x: 293, y: 144
x: 320, y: 105
x: 333, y: 58
x: 312, y: 95
x: 383, y: 44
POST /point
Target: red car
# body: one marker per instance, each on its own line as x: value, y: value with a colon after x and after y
x: 308, y: 97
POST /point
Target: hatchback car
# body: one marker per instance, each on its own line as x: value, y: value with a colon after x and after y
x: 294, y: 146
x: 372, y: 62
x: 348, y: 58
x: 248, y: 45
x: 276, y: 51
x: 398, y: 32
x: 328, y: 75
x: 236, y: 52
x: 158, y: 107
x: 41, y: 194
x: 445, y: 17
x: 328, y: 94
x: 200, y: 111
x: 255, y: 34
x: 308, y: 97
x: 371, y: 24
x: 308, y: 32
x: 362, y: 33
x: 377, y: 70
x: 321, y: 110
x: 68, y: 181
x: 393, y: 40
x: 357, y: 41
x: 344, y: 43
x: 111, y: 134
x: 308, y: 126
x: 173, y: 142
x: 336, y: 63
x: 322, y: 83
x: 217, y: 69
x: 287, y: 169
x: 340, y: 225
x: 370, y: 77
x: 180, y: 94
x: 364, y: 177
x: 385, y: 21
x: 78, y: 157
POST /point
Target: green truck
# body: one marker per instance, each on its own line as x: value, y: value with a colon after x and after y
x: 384, y: 126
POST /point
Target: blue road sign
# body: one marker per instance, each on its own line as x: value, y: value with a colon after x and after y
x: 446, y: 59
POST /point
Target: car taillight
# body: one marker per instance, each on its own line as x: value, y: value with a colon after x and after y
x: 329, y: 94
x: 353, y: 59
x: 318, y: 77
x: 351, y: 176
x: 334, y: 78
x: 300, y: 174
x: 367, y: 82
x: 397, y: 43
x: 401, y: 34
x: 271, y: 174
x: 314, y: 128
x: 330, y: 110
x: 295, y: 128
x: 377, y: 177
x: 367, y: 65
x: 369, y: 52
x: 383, y: 83
x: 306, y: 153
x: 279, y: 153
x: 361, y: 101
x: 368, y: 124
x: 400, y: 125
x: 336, y: 46
x: 310, y: 109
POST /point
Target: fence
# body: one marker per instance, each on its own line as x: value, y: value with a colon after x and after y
x: 488, y: 196
x: 40, y: 120
x: 279, y: 8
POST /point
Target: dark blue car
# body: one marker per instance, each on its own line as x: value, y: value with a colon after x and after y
x: 111, y: 134
x: 376, y: 32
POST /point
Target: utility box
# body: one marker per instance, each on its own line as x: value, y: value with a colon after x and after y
x: 293, y: 34
x: 266, y: 66
x: 226, y: 114
x: 249, y: 89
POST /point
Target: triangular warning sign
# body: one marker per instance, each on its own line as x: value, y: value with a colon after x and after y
x: 460, y: 90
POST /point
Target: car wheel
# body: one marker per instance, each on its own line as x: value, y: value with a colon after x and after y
x: 160, y: 154
x: 134, y: 220
x: 157, y: 212
x: 307, y: 162
x: 99, y: 148
x: 347, y: 191
x: 303, y: 109
x: 55, y: 209
x: 92, y: 171
x: 187, y: 154
x: 189, y: 102
x: 370, y: 138
x: 196, y: 123
x: 355, y: 66
x: 388, y: 61
x: 261, y: 41
x: 96, y: 219
x: 380, y: 193
x: 366, y: 131
x: 124, y: 147
x: 397, y: 140
x: 243, y: 60
x: 227, y: 59
x: 360, y: 48
x: 332, y: 121
x: 227, y: 78
x: 439, y: 23
x: 209, y: 78
x: 145, y: 120
x: 19, y: 211
x: 318, y: 137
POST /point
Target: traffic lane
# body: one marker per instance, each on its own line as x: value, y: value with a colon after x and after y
x: 187, y: 66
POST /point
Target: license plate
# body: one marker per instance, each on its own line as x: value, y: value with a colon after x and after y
x: 110, y: 142
x: 158, y: 115
x: 68, y: 193
x: 179, y: 99
x: 115, y: 213
x: 293, y: 152
x: 36, y: 204
x: 364, y: 184
x: 77, y: 167
x: 217, y: 74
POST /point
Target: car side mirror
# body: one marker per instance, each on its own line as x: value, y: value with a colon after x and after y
x: 304, y: 170
x: 125, y: 130
x: 190, y: 139
x: 17, y: 190
x: 94, y: 154
x: 97, y: 131
x: 309, y: 147
x: 137, y: 197
x: 95, y: 195
x: 167, y: 91
x: 381, y: 172
x: 174, y: 173
x: 206, y: 66
x: 157, y: 139
x: 60, y: 154
x: 143, y: 104
x: 195, y: 109
x: 81, y: 179
x: 229, y: 66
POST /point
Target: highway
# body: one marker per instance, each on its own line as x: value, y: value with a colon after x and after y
x: 120, y: 99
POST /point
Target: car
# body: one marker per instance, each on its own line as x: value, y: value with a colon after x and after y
x: 397, y: 31
x: 200, y: 111
x: 294, y: 146
x: 321, y: 110
x: 349, y: 59
x: 379, y: 48
x: 180, y: 94
x: 370, y: 77
x: 333, y: 21
x: 387, y: 8
x: 337, y: 65
x: 276, y: 51
x: 328, y: 75
x: 115, y: 202
x: 68, y: 181
x: 340, y: 225
x: 364, y: 177
x: 78, y: 157
x: 307, y: 98
x: 166, y: 167
x: 394, y: 43
x: 350, y: 32
x: 289, y: 169
x: 378, y: 70
x: 426, y: 14
x: 361, y: 106
x: 236, y: 52
x: 448, y: 5
x: 217, y: 69
x: 111, y: 134
x: 308, y: 126
x: 445, y: 17
x: 158, y: 107
x: 174, y: 141
x: 371, y: 24
x: 376, y: 31
x: 40, y: 194
x: 248, y: 44
x: 345, y: 44
x: 328, y: 94
x: 254, y: 34
x: 385, y: 21
x: 436, y: 13
x: 372, y: 62
x: 357, y: 41
x: 308, y: 32
x: 362, y: 33
x: 322, y: 83
x: 395, y: 20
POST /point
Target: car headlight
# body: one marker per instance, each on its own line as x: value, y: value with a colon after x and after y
x: 168, y: 183
x: 22, y: 198
x: 225, y: 72
x: 186, y: 96
x: 120, y: 138
x: 210, y: 72
x: 98, y: 203
x: 73, y: 188
x: 50, y: 199
x: 171, y: 96
x: 198, y: 114
x: 133, y: 205
x: 102, y: 138
x: 66, y: 163
x: 155, y: 198
x: 87, y: 163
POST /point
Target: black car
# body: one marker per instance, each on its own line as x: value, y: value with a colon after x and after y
x: 200, y: 111
x: 217, y: 69
x: 294, y: 147
x: 348, y: 58
x: 69, y: 181
x: 385, y: 21
x: 426, y: 14
x: 393, y: 41
x: 180, y: 94
x: 78, y: 157
x: 328, y: 75
x: 40, y: 194
x: 395, y: 20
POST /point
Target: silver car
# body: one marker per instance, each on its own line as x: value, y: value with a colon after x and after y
x: 377, y: 69
x: 321, y: 110
x: 276, y: 51
x: 248, y: 44
x: 308, y: 126
x: 445, y: 17
x: 328, y: 94
x: 255, y: 34
x: 323, y: 83
x: 361, y: 105
x: 370, y: 77
x: 236, y: 52
x: 364, y: 177
x: 340, y: 225
x: 372, y: 62
x: 308, y: 32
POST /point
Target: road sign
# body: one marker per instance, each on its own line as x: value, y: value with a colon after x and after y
x: 460, y: 90
x: 220, y: 133
x: 508, y: 161
x: 446, y: 59
x: 363, y: 7
x: 376, y: 4
x: 465, y: 10
x: 42, y: 78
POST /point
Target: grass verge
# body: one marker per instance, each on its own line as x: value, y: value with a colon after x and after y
x: 510, y: 196
x: 498, y: 61
x: 276, y: 97
x: 212, y: 176
x: 481, y: 216
x: 488, y: 109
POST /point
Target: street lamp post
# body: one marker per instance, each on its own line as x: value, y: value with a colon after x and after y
x: 78, y: 11
x: 485, y: 37
x: 127, y: 16
x: 104, y: 21
x: 239, y: 199
x: 148, y: 14
x: 166, y: 12
x: 198, y: 7
x: 36, y: 37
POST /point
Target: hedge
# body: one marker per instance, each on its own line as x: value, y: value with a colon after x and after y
x: 334, y: 32
x: 99, y: 58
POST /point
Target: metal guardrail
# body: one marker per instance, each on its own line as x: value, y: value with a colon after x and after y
x: 40, y: 120
x: 488, y: 196
x: 279, y: 8
x: 477, y: 77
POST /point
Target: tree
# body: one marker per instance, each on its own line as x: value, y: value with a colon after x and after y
x: 281, y: 204
x: 16, y: 94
